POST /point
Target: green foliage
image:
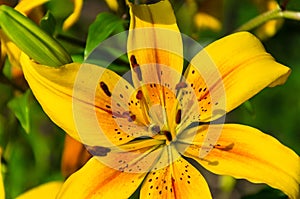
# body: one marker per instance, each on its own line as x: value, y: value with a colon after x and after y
x: 267, y: 193
x: 33, y: 157
x: 48, y: 23
x: 20, y: 107
x: 104, y: 25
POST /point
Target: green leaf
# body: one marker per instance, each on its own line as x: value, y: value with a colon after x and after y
x: 104, y: 25
x: 120, y: 69
x: 20, y: 107
x: 48, y: 23
x: 249, y: 107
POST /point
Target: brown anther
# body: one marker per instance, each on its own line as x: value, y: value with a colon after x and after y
x: 180, y: 85
x: 98, y: 150
x: 126, y: 114
x: 105, y: 89
x: 155, y: 129
x: 168, y: 135
x: 132, y: 118
x: 178, y: 117
x: 136, y: 67
x: 139, y: 95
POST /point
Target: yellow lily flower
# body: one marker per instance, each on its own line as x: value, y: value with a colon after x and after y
x: 149, y: 128
x: 47, y: 191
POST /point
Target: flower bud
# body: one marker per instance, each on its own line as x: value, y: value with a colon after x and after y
x: 31, y: 39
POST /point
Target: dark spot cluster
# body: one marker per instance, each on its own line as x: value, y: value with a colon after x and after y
x: 126, y: 114
x: 119, y: 135
x: 129, y: 130
x: 185, y: 176
x: 159, y: 183
x: 127, y: 162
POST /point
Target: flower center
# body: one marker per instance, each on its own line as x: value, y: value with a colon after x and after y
x: 159, y: 126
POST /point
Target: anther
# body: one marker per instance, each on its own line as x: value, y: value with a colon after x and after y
x: 168, y: 135
x: 105, y: 89
x: 98, y: 150
x: 155, y: 129
x: 136, y: 67
x: 139, y: 95
x: 180, y: 85
x: 178, y: 117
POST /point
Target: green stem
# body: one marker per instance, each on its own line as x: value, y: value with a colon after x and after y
x: 291, y: 15
x: 273, y: 14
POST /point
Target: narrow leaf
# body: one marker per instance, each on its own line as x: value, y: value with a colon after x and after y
x: 20, y: 107
x: 104, y: 25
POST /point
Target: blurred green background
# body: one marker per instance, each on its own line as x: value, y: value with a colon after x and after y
x: 32, y: 145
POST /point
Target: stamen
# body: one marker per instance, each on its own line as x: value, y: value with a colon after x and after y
x: 132, y: 118
x: 178, y: 116
x: 168, y: 135
x: 139, y: 95
x: 126, y: 113
x: 155, y: 129
x: 180, y: 85
x: 224, y: 148
x: 98, y: 150
x: 136, y: 67
x: 105, y: 89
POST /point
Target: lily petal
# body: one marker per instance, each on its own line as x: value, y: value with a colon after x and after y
x: 154, y: 41
x: 9, y: 48
x: 25, y: 6
x: 47, y: 191
x: 176, y: 180
x: 113, y: 5
x: 51, y: 85
x: 239, y: 65
x: 157, y: 61
x: 74, y: 16
x: 156, y: 57
x: 95, y: 180
x: 74, y: 156
x: 245, y: 152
